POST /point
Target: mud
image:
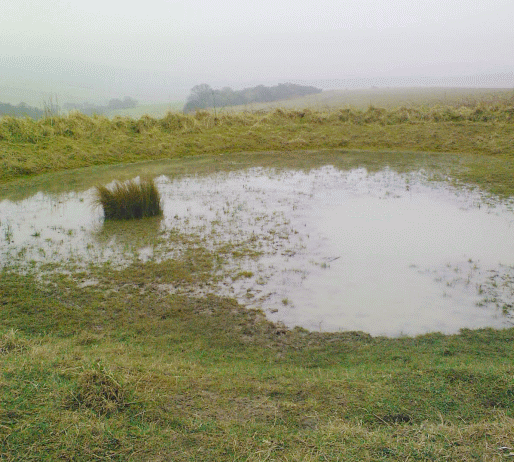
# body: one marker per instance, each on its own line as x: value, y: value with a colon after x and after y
x: 327, y: 249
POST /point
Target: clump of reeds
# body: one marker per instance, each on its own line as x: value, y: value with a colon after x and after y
x: 129, y: 200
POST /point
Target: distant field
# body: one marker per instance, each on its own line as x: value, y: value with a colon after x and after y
x: 388, y: 98
x: 384, y: 97
x: 153, y: 110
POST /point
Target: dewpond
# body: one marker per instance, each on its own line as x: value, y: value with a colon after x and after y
x: 325, y: 248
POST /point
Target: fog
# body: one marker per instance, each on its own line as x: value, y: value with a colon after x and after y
x: 157, y: 50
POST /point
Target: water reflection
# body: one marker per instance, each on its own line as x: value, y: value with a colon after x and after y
x: 382, y: 252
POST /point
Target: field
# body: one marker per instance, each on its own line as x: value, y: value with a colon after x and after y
x: 152, y: 110
x: 389, y: 98
x: 119, y: 370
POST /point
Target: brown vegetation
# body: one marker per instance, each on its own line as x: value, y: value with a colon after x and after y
x: 129, y: 200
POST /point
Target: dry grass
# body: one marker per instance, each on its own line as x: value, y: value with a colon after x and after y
x: 129, y: 200
x: 11, y: 341
x: 78, y: 126
x: 482, y: 125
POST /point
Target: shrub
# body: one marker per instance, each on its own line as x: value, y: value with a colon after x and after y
x: 129, y: 200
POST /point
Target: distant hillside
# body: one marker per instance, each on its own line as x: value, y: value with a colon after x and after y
x: 203, y: 96
x: 21, y: 110
x: 92, y: 109
x: 154, y: 110
x: 388, y: 98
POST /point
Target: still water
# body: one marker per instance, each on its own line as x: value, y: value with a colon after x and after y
x: 386, y: 253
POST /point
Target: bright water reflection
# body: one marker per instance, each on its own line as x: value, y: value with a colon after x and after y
x: 340, y: 250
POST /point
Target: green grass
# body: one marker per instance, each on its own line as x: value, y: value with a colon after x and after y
x: 121, y: 371
x: 124, y: 370
x: 129, y: 200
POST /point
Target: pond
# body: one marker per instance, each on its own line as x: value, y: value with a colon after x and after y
x: 325, y: 248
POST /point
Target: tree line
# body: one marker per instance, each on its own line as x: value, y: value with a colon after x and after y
x: 21, y: 110
x: 24, y: 110
x: 203, y: 96
x: 91, y: 109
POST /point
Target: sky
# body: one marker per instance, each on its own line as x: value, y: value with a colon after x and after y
x: 158, y: 49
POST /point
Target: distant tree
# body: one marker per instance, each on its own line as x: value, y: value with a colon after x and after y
x: 115, y: 104
x: 92, y: 109
x: 24, y: 110
x: 129, y: 102
x: 262, y: 94
x: 21, y: 110
x: 203, y: 96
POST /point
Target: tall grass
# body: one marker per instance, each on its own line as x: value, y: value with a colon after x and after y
x: 483, y: 126
x: 76, y: 126
x: 129, y: 200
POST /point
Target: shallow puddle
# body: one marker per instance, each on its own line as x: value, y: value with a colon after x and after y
x: 325, y: 249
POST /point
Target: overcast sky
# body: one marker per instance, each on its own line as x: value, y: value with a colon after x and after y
x: 186, y: 42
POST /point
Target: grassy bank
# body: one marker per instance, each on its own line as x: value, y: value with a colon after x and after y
x: 121, y: 371
x: 31, y: 147
x: 105, y: 364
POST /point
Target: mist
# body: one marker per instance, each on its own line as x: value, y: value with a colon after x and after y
x: 157, y: 50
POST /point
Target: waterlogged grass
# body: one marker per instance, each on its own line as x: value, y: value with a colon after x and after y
x: 129, y: 200
x: 105, y: 364
x: 121, y: 371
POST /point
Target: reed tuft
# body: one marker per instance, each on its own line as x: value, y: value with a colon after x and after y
x: 129, y: 200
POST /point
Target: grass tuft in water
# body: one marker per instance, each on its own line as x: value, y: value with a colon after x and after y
x: 129, y: 200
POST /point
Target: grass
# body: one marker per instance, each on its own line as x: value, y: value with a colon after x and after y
x: 121, y: 371
x: 483, y: 126
x: 124, y: 370
x: 129, y: 200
